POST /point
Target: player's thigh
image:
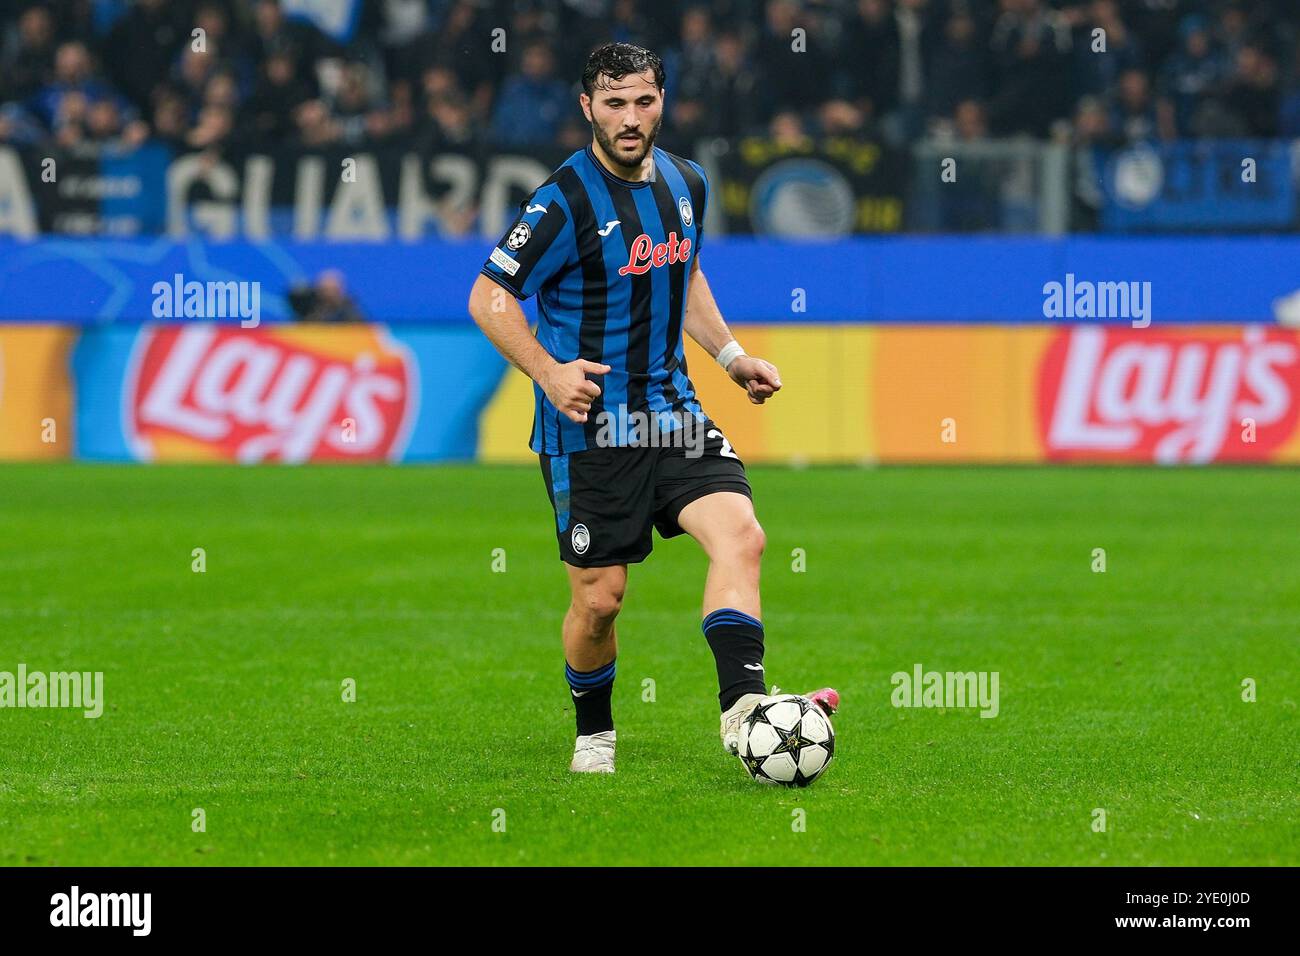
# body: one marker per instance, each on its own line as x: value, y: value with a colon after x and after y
x: 724, y: 523
x: 602, y: 499
x: 702, y: 490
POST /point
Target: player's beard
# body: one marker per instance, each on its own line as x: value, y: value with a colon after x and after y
x: 611, y: 149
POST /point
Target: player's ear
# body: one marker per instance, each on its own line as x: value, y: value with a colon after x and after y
x: 585, y: 102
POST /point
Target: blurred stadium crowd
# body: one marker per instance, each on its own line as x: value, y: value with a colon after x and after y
x: 95, y: 73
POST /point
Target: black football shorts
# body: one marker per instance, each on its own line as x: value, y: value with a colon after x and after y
x: 607, y: 501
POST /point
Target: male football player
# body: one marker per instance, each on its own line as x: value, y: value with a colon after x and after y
x: 610, y: 245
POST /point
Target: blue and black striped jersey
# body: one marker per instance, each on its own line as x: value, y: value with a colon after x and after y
x: 609, y: 261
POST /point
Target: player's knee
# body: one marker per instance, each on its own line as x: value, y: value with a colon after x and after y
x: 599, y: 602
x: 746, y: 545
x: 753, y: 541
x: 601, y: 606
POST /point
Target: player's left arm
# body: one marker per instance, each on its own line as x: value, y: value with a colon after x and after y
x: 704, y: 323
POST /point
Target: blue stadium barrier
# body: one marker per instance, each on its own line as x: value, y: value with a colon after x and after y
x: 868, y: 280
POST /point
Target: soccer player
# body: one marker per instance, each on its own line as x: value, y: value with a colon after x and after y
x: 610, y: 245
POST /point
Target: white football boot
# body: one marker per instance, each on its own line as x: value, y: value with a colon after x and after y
x: 731, y: 721
x: 594, y: 753
x: 827, y: 699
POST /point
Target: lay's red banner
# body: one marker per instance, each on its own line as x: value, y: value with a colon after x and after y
x: 1169, y: 397
x: 226, y: 393
x: 282, y: 393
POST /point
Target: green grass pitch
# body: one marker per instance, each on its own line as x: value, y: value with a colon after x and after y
x: 1119, y: 690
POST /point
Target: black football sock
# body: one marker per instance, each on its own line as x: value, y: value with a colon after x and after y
x: 737, y: 643
x: 591, y: 691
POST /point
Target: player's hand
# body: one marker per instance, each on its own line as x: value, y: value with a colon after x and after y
x: 759, y: 378
x: 569, y: 389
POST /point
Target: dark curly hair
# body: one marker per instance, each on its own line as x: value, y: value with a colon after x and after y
x: 617, y: 60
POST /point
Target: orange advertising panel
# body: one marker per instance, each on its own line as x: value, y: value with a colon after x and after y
x: 35, y: 392
x: 1179, y: 395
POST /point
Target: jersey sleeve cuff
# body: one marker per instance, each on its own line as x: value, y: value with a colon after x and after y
x: 501, y: 282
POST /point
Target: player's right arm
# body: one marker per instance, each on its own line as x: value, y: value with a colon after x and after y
x: 538, y: 247
x: 498, y: 314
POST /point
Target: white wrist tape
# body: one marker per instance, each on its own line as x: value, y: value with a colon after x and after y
x: 729, y: 353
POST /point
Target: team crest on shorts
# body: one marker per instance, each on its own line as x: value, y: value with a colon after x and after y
x: 581, y: 539
x: 518, y: 236
x: 684, y: 207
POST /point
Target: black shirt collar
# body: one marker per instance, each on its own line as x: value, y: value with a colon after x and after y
x: 654, y: 170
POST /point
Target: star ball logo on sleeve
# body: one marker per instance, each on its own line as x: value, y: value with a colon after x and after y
x: 519, y: 235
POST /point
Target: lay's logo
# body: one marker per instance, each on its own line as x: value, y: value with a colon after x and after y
x: 291, y: 394
x: 1193, y: 396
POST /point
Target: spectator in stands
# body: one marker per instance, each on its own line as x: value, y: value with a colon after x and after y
x: 691, y: 63
x: 869, y: 52
x: 297, y: 39
x: 358, y: 106
x: 326, y: 300
x: 971, y: 202
x: 1289, y: 114
x: 1100, y: 58
x: 1232, y: 30
x: 690, y: 68
x: 1091, y: 126
x: 170, y: 118
x: 216, y: 122
x: 19, y: 126
x: 279, y: 92
x: 405, y: 31
x: 27, y: 63
x: 315, y: 126
x: 730, y: 100
x: 73, y: 88
x: 915, y: 42
x: 970, y: 121
x: 194, y: 71
x: 840, y: 118
x: 1030, y: 46
x: 214, y: 127
x: 142, y: 46
x: 106, y: 127
x: 791, y: 79
x: 1254, y: 93
x: 461, y: 44
x: 787, y: 129
x: 959, y: 69
x: 1136, y: 114
x: 533, y: 103
x: 448, y: 124
x: 218, y: 37
x: 1192, y: 73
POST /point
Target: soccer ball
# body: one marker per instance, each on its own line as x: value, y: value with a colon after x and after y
x: 787, y: 740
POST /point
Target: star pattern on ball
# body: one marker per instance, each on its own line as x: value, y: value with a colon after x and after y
x: 753, y: 764
x: 793, y: 741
